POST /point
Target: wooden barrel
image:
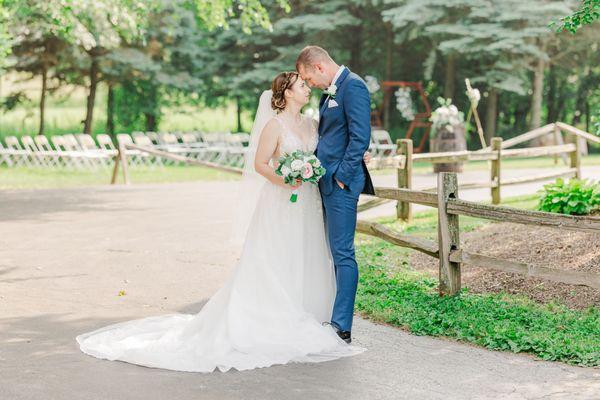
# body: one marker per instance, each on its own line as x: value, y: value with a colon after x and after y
x: 445, y: 141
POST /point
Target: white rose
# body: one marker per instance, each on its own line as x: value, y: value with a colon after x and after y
x: 297, y: 165
x: 285, y: 170
x: 331, y: 90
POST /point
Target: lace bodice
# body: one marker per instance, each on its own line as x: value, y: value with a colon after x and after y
x: 291, y: 142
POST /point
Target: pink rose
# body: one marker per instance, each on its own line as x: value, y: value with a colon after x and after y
x: 307, y: 171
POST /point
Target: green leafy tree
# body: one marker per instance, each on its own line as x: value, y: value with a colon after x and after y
x: 588, y: 13
x: 40, y: 33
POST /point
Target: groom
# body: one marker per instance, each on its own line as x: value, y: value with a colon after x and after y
x: 344, y: 136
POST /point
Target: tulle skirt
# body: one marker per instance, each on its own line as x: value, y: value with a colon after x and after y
x: 269, y: 312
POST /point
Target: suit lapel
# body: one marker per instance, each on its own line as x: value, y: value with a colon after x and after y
x: 338, y: 84
x: 322, y: 102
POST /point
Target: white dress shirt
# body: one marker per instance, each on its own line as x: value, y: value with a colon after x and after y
x: 337, y: 74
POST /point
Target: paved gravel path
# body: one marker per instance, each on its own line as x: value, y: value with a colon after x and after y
x: 66, y: 254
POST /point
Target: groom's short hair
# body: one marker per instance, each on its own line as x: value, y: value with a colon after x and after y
x: 311, y: 55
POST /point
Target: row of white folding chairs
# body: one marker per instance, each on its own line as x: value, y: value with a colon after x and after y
x: 80, y: 151
x: 224, y: 148
x: 72, y: 151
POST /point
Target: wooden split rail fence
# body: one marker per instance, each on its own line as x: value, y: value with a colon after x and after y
x: 498, y: 151
x: 121, y: 159
x: 447, y: 248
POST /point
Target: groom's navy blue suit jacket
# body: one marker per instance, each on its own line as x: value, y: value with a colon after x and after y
x: 344, y: 135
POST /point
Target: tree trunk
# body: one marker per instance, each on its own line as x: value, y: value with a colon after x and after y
x: 491, y: 113
x: 356, y: 43
x: 388, y: 74
x: 520, y: 125
x: 536, y: 98
x: 151, y: 122
x: 449, y: 84
x: 551, y: 100
x: 587, y: 115
x: 582, y: 92
x: 110, y: 111
x: 239, y: 114
x: 87, y: 126
x: 43, y: 99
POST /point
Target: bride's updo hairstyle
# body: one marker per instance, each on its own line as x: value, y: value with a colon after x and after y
x: 281, y: 83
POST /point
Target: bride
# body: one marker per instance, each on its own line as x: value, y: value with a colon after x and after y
x: 271, y: 309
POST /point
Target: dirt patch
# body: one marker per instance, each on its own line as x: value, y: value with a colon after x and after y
x: 548, y: 247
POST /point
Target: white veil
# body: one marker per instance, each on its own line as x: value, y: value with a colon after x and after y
x: 252, y: 181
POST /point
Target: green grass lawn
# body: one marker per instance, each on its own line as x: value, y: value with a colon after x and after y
x: 390, y: 291
x: 38, y: 178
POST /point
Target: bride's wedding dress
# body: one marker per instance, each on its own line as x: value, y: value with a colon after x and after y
x: 269, y: 312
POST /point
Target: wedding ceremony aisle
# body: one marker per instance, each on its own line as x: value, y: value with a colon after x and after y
x: 73, y: 260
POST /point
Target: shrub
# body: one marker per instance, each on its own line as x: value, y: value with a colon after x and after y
x: 577, y: 197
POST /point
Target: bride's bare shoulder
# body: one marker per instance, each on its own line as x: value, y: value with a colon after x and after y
x: 272, y: 127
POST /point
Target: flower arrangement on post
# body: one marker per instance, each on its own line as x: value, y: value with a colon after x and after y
x: 446, y: 116
x: 448, y: 133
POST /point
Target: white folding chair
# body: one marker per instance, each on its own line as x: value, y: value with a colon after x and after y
x: 384, y: 146
x: 69, y: 157
x: 236, y: 149
x: 153, y: 136
x: 92, y: 150
x: 149, y: 159
x: 106, y: 143
x: 193, y: 146
x: 5, y: 155
x: 52, y: 156
x: 217, y: 146
x: 124, y: 139
x: 20, y: 156
x: 36, y: 155
x: 84, y: 158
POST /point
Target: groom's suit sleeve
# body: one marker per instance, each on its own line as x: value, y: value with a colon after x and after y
x: 357, y: 107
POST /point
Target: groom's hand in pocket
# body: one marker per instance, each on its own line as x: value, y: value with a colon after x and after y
x: 340, y: 184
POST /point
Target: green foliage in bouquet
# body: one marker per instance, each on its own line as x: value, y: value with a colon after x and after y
x: 293, y: 167
x: 576, y: 197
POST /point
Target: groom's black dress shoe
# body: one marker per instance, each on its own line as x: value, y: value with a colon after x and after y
x: 346, y: 336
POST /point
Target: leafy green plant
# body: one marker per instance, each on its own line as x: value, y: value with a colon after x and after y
x: 576, y: 197
x: 409, y: 299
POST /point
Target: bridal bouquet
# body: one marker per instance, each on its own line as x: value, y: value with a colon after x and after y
x: 299, y: 166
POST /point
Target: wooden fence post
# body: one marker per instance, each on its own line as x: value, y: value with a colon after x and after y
x: 496, y: 165
x: 575, y: 156
x: 405, y: 148
x: 120, y: 158
x: 123, y: 158
x: 117, y: 159
x: 448, y: 234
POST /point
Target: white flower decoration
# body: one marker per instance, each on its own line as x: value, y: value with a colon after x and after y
x: 297, y: 165
x: 331, y: 90
x: 372, y: 84
x: 404, y: 103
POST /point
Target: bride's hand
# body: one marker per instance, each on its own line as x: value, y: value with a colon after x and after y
x: 297, y: 185
x: 367, y: 157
